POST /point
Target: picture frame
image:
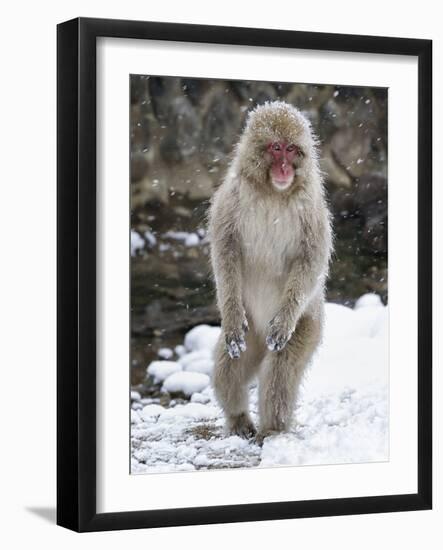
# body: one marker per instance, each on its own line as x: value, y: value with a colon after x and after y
x: 77, y: 254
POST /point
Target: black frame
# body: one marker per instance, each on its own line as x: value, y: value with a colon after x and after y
x: 76, y: 273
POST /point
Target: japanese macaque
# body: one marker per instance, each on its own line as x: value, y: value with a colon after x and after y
x: 271, y: 243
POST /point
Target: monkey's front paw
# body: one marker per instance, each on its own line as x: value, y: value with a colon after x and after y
x: 235, y: 343
x: 235, y: 339
x: 279, y: 334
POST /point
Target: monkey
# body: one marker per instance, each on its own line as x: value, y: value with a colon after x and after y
x: 271, y: 241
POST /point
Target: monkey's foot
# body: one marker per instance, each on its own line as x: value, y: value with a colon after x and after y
x: 242, y: 426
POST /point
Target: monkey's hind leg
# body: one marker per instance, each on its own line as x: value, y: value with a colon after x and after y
x: 230, y: 381
x: 281, y: 376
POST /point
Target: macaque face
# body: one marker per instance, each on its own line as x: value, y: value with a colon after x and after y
x: 283, y: 157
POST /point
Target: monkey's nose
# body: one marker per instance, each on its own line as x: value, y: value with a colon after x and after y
x: 284, y: 169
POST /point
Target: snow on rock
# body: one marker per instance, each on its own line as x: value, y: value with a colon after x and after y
x: 137, y: 243
x: 151, y: 410
x: 180, y: 350
x: 202, y: 337
x: 198, y: 397
x: 192, y: 240
x: 186, y: 382
x: 165, y: 353
x: 341, y: 415
x: 188, y: 239
x: 197, y: 361
x: 135, y: 396
x: 150, y: 238
x: 160, y: 370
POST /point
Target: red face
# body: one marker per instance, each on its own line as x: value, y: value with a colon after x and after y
x: 282, y: 170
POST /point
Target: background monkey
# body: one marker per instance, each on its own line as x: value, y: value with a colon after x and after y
x: 270, y: 248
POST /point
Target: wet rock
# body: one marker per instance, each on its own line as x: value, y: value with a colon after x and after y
x: 139, y: 89
x: 351, y: 149
x: 221, y: 124
x: 194, y: 88
x: 183, y: 131
x: 139, y: 167
x: 163, y: 91
x: 140, y: 131
x: 333, y: 172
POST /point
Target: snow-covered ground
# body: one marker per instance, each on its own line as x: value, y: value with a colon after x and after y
x: 341, y: 415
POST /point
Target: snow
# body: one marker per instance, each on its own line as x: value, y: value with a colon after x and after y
x: 188, y: 239
x: 341, y: 415
x: 161, y: 370
x: 150, y: 238
x: 186, y: 382
x: 165, y: 353
x: 202, y: 337
x: 180, y: 350
x: 151, y: 410
x: 137, y: 243
x: 367, y: 300
x: 197, y: 361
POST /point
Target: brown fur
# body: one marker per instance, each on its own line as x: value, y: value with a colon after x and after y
x: 270, y: 252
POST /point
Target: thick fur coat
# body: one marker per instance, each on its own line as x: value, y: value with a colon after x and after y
x: 270, y: 252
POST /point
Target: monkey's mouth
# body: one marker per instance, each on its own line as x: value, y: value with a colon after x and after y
x: 282, y: 185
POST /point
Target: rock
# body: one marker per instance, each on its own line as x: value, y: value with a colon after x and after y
x: 139, y: 167
x: 140, y: 132
x: 194, y: 88
x: 334, y: 173
x: 163, y: 91
x: 255, y: 93
x: 139, y: 89
x: 182, y: 131
x: 221, y: 124
x: 351, y: 148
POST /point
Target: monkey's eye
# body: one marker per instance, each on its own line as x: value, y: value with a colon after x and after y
x: 276, y: 147
x: 291, y: 147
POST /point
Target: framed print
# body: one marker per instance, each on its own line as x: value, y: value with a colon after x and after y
x: 244, y: 274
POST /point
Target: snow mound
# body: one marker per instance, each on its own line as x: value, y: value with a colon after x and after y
x: 165, y: 353
x: 186, y: 382
x: 202, y: 337
x: 160, y: 370
x: 368, y: 300
x: 197, y: 361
